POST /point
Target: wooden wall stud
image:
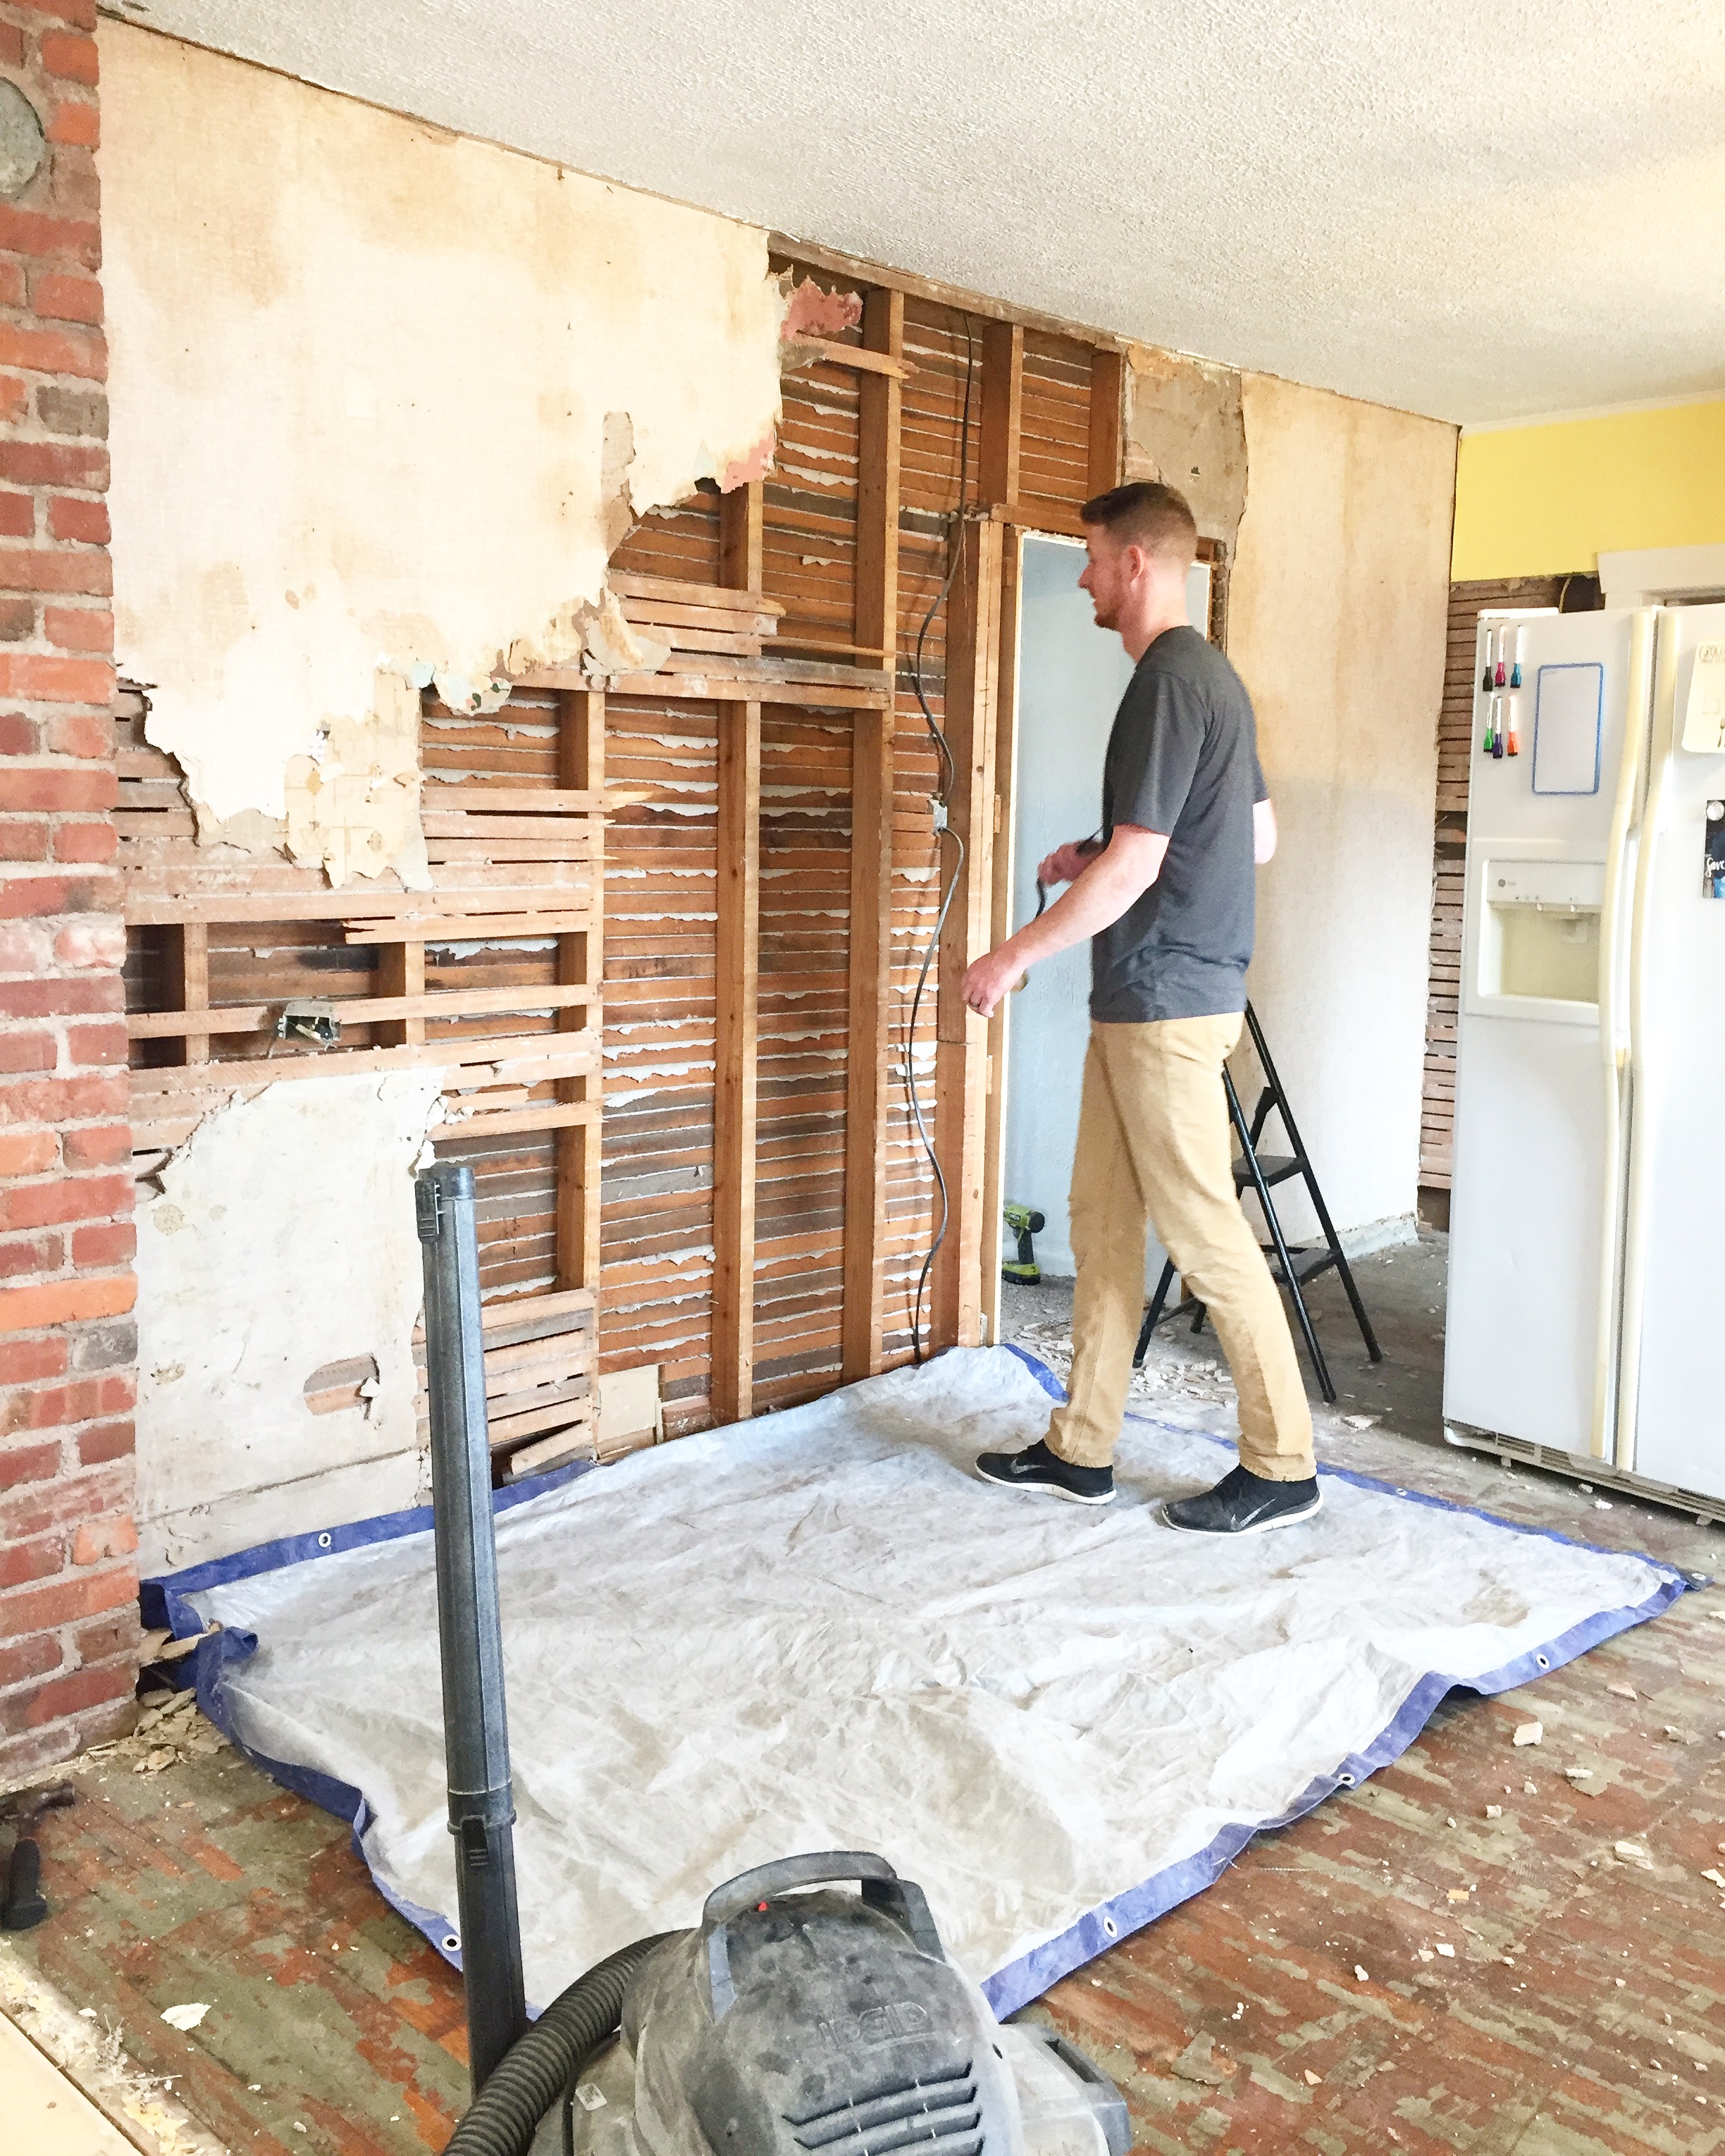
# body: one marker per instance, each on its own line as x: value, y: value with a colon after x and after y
x: 581, y: 964
x: 961, y: 1058
x: 867, y: 1099
x: 737, y: 977
x: 1107, y: 391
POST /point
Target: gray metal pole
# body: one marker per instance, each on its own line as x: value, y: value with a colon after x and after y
x: 469, y: 1630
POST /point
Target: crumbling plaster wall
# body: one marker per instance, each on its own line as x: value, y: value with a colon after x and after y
x: 1337, y: 619
x: 383, y: 402
x: 281, y: 1239
x: 384, y: 398
x: 1184, y: 425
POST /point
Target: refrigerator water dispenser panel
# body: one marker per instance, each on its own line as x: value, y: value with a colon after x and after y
x: 1568, y: 715
x: 1541, y: 930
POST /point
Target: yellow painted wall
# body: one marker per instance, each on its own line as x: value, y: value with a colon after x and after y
x: 1540, y: 500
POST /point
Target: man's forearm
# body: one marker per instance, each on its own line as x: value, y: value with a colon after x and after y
x: 1105, y: 890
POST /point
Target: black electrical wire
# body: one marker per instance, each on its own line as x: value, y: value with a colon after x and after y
x: 955, y: 545
x: 934, y: 1158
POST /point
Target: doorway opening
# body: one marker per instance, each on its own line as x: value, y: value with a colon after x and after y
x: 1071, y: 677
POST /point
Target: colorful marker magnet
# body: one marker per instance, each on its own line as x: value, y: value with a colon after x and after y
x: 1500, y: 673
x: 1515, y: 671
x: 1487, y: 747
x: 1496, y: 727
x: 1512, y: 746
x: 1485, y: 675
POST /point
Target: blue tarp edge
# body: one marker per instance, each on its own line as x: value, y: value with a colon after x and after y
x: 166, y: 1604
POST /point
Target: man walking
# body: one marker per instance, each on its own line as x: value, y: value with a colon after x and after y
x: 1165, y: 895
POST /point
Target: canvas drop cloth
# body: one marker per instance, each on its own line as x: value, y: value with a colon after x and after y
x: 819, y: 1630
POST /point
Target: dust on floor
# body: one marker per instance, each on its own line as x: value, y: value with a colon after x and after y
x: 1579, y: 2007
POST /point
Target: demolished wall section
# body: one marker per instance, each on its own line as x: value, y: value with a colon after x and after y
x: 402, y: 427
x: 385, y: 400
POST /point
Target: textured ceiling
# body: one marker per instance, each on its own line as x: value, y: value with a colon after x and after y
x: 1476, y: 209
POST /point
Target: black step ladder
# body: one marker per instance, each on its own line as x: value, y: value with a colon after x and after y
x: 1259, y: 1172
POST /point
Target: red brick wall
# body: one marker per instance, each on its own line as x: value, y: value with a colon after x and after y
x: 68, y: 1342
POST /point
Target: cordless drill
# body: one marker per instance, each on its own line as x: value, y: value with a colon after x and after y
x: 1025, y: 1221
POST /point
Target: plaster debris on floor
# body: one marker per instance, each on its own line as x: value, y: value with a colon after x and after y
x: 1523, y: 1973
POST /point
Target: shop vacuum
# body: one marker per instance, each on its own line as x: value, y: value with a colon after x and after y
x: 813, y: 2009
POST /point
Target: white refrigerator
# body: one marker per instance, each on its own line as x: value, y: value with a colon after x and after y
x: 1586, y: 1226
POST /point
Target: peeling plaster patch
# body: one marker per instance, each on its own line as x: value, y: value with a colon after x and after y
x: 619, y: 454
x: 742, y: 471
x: 249, y: 831
x: 353, y: 803
x: 283, y: 1241
x: 613, y: 645
x: 1185, y: 425
x: 334, y: 1388
x: 817, y: 313
x: 810, y: 316
x: 304, y: 520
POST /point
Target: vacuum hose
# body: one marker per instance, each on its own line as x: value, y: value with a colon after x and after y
x: 532, y: 2074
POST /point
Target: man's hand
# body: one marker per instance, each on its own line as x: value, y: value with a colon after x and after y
x: 989, y: 978
x: 1067, y: 863
x: 1112, y: 878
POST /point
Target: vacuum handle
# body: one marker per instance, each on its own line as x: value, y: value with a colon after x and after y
x: 882, y: 1889
x: 819, y: 1868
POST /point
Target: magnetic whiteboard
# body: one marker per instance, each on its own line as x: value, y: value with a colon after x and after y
x: 1569, y: 710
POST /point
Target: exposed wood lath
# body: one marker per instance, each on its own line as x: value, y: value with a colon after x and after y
x: 491, y: 976
x: 855, y: 540
x: 736, y: 854
x: 1456, y: 747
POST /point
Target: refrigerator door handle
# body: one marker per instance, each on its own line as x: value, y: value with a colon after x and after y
x: 1636, y: 1204
x: 1614, y: 1059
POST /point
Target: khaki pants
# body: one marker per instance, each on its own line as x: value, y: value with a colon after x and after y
x: 1155, y: 1147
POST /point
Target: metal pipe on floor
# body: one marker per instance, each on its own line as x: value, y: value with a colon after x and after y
x: 469, y: 1628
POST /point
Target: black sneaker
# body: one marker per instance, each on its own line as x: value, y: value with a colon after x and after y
x: 1243, y: 1503
x: 1037, y: 1468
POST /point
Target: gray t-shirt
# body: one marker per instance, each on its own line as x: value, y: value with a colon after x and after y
x: 1183, y: 759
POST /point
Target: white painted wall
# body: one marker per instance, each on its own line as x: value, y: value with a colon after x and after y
x: 1337, y: 620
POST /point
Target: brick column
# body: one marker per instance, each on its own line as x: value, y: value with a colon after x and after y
x: 68, y: 1342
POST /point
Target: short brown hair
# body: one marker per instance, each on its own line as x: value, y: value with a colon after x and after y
x: 1145, y: 513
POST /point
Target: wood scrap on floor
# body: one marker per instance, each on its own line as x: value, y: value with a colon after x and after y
x: 541, y: 1356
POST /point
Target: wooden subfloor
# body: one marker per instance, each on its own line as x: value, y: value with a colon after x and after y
x: 1582, y: 2010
